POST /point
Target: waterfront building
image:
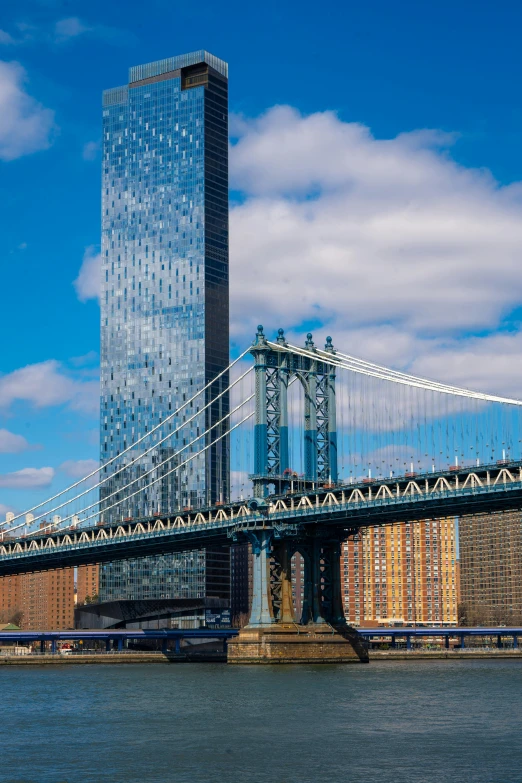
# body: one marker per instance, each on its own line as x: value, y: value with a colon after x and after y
x: 491, y: 568
x: 404, y: 573
x: 10, y: 600
x: 87, y: 583
x: 164, y: 300
x: 42, y: 601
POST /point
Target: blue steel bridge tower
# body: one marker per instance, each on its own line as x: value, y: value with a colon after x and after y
x: 274, y: 370
x: 164, y: 301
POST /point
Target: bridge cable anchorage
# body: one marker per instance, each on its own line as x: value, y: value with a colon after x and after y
x: 156, y: 467
x: 395, y: 376
x: 118, y: 456
x: 140, y: 457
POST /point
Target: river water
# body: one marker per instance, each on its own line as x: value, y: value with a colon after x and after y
x: 419, y: 722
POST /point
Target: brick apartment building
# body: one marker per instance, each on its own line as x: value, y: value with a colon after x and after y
x: 402, y: 573
x: 45, y: 600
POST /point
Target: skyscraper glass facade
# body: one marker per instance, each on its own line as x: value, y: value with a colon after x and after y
x: 164, y: 302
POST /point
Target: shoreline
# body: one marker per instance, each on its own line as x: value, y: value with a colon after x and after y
x: 219, y: 657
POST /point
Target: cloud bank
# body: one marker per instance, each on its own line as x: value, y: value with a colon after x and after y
x: 389, y: 245
x: 45, y: 384
x: 10, y: 443
x: 27, y: 478
x: 25, y: 125
x: 88, y: 282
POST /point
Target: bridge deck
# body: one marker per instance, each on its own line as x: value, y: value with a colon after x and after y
x: 344, y: 506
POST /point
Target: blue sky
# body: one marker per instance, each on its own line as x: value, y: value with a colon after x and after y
x: 376, y: 153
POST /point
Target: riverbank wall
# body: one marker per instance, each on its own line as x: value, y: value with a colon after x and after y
x: 111, y: 658
x: 448, y: 655
x: 220, y: 657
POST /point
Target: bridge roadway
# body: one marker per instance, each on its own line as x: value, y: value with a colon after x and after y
x: 347, y: 507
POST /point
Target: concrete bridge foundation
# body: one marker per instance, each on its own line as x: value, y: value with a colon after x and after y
x: 274, y: 634
x: 293, y: 643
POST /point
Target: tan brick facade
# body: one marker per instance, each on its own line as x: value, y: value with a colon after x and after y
x: 401, y: 573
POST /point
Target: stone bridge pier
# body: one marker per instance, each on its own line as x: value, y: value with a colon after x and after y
x: 274, y: 634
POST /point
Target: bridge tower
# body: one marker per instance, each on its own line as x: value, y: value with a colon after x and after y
x: 273, y: 633
x: 275, y: 367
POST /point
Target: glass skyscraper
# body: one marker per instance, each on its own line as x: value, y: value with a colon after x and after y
x: 164, y: 304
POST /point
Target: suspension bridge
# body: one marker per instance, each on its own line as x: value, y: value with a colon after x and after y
x: 320, y: 444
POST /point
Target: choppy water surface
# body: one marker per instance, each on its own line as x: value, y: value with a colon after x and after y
x: 420, y: 722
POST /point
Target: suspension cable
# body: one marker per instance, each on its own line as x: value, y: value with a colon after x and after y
x: 134, y: 461
x: 393, y: 375
x: 132, y: 445
x: 172, y: 470
x: 156, y: 467
x: 177, y: 467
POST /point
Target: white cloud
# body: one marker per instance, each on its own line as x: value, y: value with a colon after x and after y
x: 25, y: 125
x: 79, y: 468
x: 27, y: 478
x: 10, y: 443
x: 88, y: 282
x: 44, y: 384
x: 393, y: 248
x: 71, y: 27
x: 491, y: 363
x: 91, y: 150
x: 342, y: 228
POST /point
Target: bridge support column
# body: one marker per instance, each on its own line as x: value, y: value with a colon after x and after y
x: 332, y: 419
x: 273, y: 635
x: 120, y: 644
x: 337, y: 612
x: 446, y: 642
x: 42, y: 646
x: 515, y: 641
x: 284, y: 459
x: 53, y: 646
x: 259, y: 351
x: 310, y: 417
x: 262, y: 612
x: 177, y: 645
x: 108, y: 645
x: 323, y: 594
